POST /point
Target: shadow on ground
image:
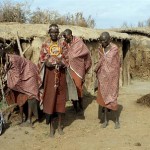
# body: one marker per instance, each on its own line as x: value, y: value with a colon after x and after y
x: 71, y: 115
x: 144, y: 100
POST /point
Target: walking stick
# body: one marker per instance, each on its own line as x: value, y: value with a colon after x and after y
x: 56, y: 83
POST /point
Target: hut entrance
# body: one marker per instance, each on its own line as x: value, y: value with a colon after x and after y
x: 126, y: 62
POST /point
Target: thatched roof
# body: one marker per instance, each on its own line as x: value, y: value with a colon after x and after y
x: 137, y: 31
x: 8, y: 31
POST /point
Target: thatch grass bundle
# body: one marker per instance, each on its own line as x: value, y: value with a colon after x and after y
x: 144, y: 100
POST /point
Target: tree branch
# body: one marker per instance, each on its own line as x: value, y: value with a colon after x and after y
x: 26, y: 49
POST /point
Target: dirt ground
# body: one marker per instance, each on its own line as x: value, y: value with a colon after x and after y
x: 85, y: 133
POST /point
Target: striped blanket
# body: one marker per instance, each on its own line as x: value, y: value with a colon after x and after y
x: 22, y: 76
x: 79, y: 57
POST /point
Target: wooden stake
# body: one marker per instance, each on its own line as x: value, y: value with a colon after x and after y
x: 19, y: 46
x: 26, y: 49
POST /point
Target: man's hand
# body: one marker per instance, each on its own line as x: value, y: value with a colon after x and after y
x: 48, y: 64
x: 60, y: 63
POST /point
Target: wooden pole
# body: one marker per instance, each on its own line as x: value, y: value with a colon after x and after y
x: 19, y: 45
x: 26, y: 49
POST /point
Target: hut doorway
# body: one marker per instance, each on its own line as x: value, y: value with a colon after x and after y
x: 125, y: 62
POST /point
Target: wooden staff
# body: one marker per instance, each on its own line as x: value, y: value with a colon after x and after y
x: 19, y: 45
x: 56, y: 82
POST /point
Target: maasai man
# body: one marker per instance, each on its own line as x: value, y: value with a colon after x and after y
x: 79, y: 63
x: 22, y: 79
x: 53, y: 67
x: 107, y: 72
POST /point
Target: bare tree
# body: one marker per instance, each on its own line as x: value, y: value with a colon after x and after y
x: 12, y: 12
x: 148, y: 22
x: 20, y: 12
x: 124, y: 25
x: 140, y: 24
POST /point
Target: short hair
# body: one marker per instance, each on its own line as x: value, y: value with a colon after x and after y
x: 53, y: 26
x: 105, y: 34
x: 68, y: 32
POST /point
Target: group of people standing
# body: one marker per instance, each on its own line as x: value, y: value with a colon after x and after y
x: 60, y: 74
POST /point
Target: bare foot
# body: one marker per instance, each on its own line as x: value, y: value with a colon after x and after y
x: 117, y: 125
x: 20, y: 122
x: 60, y: 131
x: 104, y: 125
x: 26, y: 124
x: 52, y: 132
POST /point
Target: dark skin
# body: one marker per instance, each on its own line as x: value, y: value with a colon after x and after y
x: 68, y: 37
x: 32, y: 108
x: 105, y: 40
x: 67, y: 34
x: 54, y: 35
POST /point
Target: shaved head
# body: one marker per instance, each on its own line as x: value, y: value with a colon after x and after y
x: 105, y: 35
x: 68, y: 35
x: 105, y: 39
x: 67, y: 32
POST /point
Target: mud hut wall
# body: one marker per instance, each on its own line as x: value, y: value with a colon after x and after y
x: 91, y: 77
x: 126, y: 62
x: 33, y: 48
x: 28, y: 53
x: 36, y: 47
x: 140, y: 59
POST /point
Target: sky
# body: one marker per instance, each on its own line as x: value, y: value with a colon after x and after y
x: 106, y: 13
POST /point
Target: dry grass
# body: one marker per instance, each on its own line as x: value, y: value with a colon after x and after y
x: 144, y: 100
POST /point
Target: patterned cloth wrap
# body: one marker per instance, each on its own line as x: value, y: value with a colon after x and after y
x: 45, y: 54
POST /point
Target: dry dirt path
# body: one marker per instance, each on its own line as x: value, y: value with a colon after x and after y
x: 86, y: 134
